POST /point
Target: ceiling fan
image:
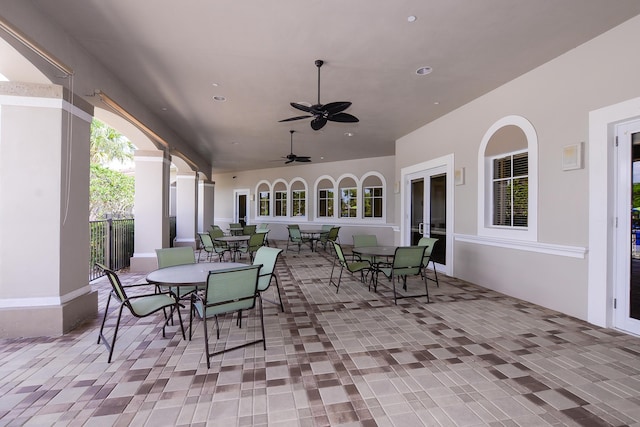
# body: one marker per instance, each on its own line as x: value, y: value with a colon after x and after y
x: 292, y: 157
x: 332, y: 111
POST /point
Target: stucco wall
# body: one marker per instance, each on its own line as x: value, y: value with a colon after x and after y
x: 556, y: 99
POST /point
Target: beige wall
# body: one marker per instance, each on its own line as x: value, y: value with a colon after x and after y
x: 225, y: 185
x: 556, y: 98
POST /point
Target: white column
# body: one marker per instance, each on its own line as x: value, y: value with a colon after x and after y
x: 186, y: 208
x: 151, y: 208
x: 44, y: 211
x: 206, y: 193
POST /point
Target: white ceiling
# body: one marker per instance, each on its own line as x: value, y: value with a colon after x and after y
x: 261, y: 55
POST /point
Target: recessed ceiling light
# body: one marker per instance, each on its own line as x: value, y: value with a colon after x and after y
x: 235, y: 143
x: 214, y: 84
x: 164, y: 108
x: 437, y: 103
x: 219, y: 98
x: 411, y: 18
x: 348, y: 134
x: 423, y: 71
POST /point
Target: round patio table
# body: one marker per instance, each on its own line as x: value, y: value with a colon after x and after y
x: 188, y: 274
x: 233, y: 242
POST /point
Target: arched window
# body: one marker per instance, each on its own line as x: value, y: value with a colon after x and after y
x: 280, y: 198
x: 298, y: 198
x: 372, y: 196
x: 507, y: 177
x: 348, y: 194
x: 264, y: 195
x: 325, y: 198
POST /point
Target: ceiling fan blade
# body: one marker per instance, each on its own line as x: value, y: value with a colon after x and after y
x: 336, y: 107
x: 343, y: 118
x: 289, y: 161
x: 318, y: 123
x: 303, y: 159
x: 301, y: 107
x: 294, y: 118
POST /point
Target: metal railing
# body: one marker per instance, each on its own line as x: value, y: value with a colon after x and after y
x: 111, y: 243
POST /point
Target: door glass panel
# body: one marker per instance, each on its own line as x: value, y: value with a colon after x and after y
x: 438, y: 216
x: 417, y: 210
x: 634, y: 288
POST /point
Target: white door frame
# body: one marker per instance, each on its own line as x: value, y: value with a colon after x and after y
x: 622, y: 235
x: 236, y: 194
x: 405, y: 210
x: 601, y: 153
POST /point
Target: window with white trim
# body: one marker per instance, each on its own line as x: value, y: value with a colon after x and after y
x: 373, y: 200
x: 508, y: 180
x: 325, y: 202
x: 348, y: 202
x: 510, y: 185
x: 298, y: 203
x: 280, y: 198
x: 263, y: 200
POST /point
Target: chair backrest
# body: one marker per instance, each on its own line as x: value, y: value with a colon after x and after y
x: 267, y: 257
x: 361, y: 240
x: 116, y: 285
x: 231, y: 289
x: 294, y: 234
x: 248, y: 230
x: 333, y: 234
x: 294, y: 226
x: 168, y: 257
x: 326, y: 227
x: 430, y: 243
x: 339, y: 253
x: 216, y: 232
x: 215, y: 227
x: 408, y: 260
x: 255, y: 241
x: 206, y: 241
x: 235, y: 225
x: 262, y: 226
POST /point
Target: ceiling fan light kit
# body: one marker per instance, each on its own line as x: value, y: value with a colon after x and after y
x: 320, y: 113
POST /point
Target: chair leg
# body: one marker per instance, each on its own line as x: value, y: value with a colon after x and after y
x: 279, y: 295
x: 206, y: 342
x: 264, y: 340
x: 435, y: 273
x: 104, y: 319
x: 180, y: 318
x: 191, y: 312
x: 115, y: 333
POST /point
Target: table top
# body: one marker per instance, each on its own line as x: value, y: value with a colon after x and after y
x: 233, y: 238
x: 375, y: 250
x: 313, y: 231
x: 188, y: 274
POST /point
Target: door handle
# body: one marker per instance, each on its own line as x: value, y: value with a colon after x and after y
x: 421, y: 227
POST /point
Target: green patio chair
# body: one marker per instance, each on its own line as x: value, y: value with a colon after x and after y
x: 168, y: 257
x: 206, y: 244
x: 227, y: 291
x: 248, y: 230
x: 352, y: 267
x: 407, y: 261
x: 220, y: 248
x: 430, y: 243
x: 139, y: 306
x: 295, y: 237
x: 255, y: 242
x: 267, y: 257
x: 330, y: 236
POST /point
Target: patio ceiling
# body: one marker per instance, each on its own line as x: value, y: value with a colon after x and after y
x: 259, y: 55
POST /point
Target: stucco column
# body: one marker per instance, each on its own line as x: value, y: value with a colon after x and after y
x: 206, y: 193
x: 44, y: 213
x: 151, y: 208
x: 186, y: 208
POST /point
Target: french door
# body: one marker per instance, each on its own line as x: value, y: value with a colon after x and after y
x: 241, y: 206
x: 627, y: 247
x: 428, y: 209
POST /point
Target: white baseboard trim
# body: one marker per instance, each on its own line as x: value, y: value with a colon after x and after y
x: 543, y: 248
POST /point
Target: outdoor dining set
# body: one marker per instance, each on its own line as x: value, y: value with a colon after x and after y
x: 214, y: 288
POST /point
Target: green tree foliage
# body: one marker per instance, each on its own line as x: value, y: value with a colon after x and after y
x: 110, y: 192
x: 108, y: 145
x: 636, y: 195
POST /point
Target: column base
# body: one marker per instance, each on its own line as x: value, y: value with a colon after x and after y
x: 48, y: 321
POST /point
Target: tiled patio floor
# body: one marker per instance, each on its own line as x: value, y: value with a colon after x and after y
x: 470, y: 358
